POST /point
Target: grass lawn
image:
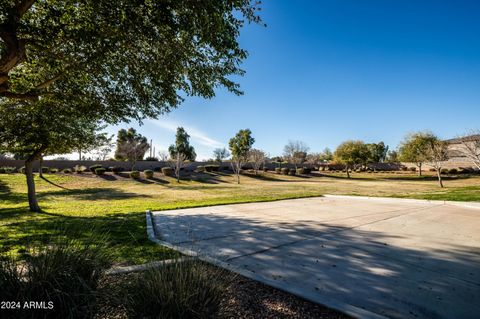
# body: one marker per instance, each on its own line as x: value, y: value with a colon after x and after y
x: 77, y: 206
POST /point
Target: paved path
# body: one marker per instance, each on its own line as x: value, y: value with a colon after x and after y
x: 367, y: 257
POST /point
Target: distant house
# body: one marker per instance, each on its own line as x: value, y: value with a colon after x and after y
x: 455, y: 148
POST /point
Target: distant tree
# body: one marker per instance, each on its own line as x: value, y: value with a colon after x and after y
x: 239, y: 146
x: 392, y: 157
x: 378, y: 152
x: 436, y: 154
x: 219, y: 154
x: 326, y: 155
x: 314, y: 159
x: 471, y: 147
x: 351, y: 153
x: 162, y: 156
x: 414, y: 149
x: 181, y: 151
x: 257, y: 158
x: 131, y: 146
x: 103, y: 147
x: 295, y: 152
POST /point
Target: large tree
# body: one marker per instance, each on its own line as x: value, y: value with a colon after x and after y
x: 240, y: 145
x: 470, y: 147
x: 351, y: 153
x: 181, y: 151
x: 414, y: 149
x: 23, y: 132
x: 114, y: 61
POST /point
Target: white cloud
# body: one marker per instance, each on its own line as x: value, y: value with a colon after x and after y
x: 196, y: 135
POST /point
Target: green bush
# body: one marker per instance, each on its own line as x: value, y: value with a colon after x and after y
x: 100, y: 171
x: 307, y: 170
x: 167, y: 171
x: 22, y: 170
x: 151, y: 159
x: 300, y: 171
x: 54, y: 170
x: 292, y: 172
x: 66, y: 274
x: 94, y: 167
x: 148, y: 173
x: 8, y: 169
x: 188, y: 289
x: 413, y: 169
x: 444, y: 171
x: 285, y: 170
x: 200, y: 168
x: 134, y: 174
x: 45, y: 170
x: 278, y: 170
x: 212, y: 168
x: 67, y: 171
x: 453, y: 171
x: 432, y: 170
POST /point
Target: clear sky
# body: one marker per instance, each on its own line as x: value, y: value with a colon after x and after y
x: 327, y: 71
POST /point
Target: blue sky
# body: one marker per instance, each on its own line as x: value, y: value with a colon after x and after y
x: 327, y: 71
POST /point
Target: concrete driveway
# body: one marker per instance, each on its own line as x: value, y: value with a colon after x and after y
x: 366, y: 257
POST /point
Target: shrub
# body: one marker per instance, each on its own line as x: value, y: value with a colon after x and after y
x: 54, y: 170
x: 167, y: 171
x: 444, y: 171
x: 300, y: 171
x: 307, y: 170
x: 67, y: 274
x: 278, y: 170
x: 285, y: 170
x: 432, y: 170
x: 413, y: 169
x: 292, y: 172
x: 45, y: 170
x: 79, y: 169
x: 67, y: 170
x: 94, y: 167
x: 151, y: 159
x: 188, y: 289
x: 212, y: 168
x: 116, y: 169
x: 452, y: 171
x: 100, y: 171
x: 200, y: 169
x: 8, y: 169
x: 134, y: 174
x: 148, y: 173
x: 404, y: 168
x: 22, y: 170
x: 265, y: 169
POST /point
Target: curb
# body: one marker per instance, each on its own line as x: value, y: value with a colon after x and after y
x: 346, y: 308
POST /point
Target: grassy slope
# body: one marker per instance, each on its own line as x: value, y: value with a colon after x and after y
x: 76, y: 206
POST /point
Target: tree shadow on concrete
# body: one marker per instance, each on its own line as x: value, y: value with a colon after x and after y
x: 366, y: 269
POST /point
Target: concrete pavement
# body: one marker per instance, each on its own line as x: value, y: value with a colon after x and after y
x: 367, y: 257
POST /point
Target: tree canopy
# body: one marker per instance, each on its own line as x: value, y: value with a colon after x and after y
x: 414, y: 148
x: 239, y: 146
x: 351, y: 153
x: 182, y: 146
x: 124, y: 60
x: 131, y: 146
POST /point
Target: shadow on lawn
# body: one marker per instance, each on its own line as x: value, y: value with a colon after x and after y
x: 337, y: 261
x: 126, y: 233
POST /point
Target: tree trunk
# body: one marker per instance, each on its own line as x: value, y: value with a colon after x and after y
x: 238, y: 172
x: 79, y: 154
x: 440, y: 182
x: 419, y: 169
x: 40, y: 167
x: 32, y: 196
x: 348, y: 173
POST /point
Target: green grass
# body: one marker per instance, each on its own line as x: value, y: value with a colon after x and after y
x: 84, y: 205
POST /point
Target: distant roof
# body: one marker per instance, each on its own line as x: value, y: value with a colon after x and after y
x: 469, y: 138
